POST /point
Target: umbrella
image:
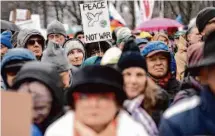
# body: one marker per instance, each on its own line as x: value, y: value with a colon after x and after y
x: 6, y: 25
x: 158, y: 24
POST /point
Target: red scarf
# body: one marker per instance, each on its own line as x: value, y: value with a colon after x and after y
x: 162, y: 82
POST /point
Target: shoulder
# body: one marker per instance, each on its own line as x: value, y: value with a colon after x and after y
x: 125, y: 122
x: 65, y: 122
x: 182, y: 107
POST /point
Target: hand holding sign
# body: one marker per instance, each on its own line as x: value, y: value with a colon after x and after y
x: 95, y: 20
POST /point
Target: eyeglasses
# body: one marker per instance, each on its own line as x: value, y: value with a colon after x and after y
x: 32, y: 42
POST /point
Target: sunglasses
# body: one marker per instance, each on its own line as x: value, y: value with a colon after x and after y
x: 32, y: 42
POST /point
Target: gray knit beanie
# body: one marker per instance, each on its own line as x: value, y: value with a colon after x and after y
x: 73, y: 44
x: 55, y: 54
x: 56, y: 27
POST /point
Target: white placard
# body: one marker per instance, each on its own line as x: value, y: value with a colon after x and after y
x: 96, y: 22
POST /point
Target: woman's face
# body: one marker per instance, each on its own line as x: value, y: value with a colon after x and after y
x: 157, y: 65
x: 163, y: 39
x: 42, y: 100
x: 76, y: 57
x: 134, y: 81
x: 95, y: 110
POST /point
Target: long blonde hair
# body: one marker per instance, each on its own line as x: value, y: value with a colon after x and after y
x: 154, y: 97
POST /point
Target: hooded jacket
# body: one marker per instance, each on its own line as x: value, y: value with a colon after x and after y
x: 15, y: 54
x: 24, y: 36
x: 46, y: 74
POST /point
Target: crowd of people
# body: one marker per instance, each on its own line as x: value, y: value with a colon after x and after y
x: 133, y: 85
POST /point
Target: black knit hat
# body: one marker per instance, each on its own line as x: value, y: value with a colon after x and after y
x: 204, y: 16
x: 131, y: 59
x: 208, y: 55
x: 96, y: 79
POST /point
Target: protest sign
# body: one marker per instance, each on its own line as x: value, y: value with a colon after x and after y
x: 16, y: 114
x: 96, y: 22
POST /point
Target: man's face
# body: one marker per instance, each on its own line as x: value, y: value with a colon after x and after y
x: 3, y: 50
x: 57, y: 38
x: 194, y: 36
x: 134, y: 81
x: 157, y: 65
x: 65, y: 78
x: 210, y: 26
x: 35, y: 45
x: 95, y: 110
x: 76, y: 57
x: 42, y: 100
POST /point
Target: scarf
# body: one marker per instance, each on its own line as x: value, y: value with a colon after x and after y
x: 82, y: 130
x: 162, y: 82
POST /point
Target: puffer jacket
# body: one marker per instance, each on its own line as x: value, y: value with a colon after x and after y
x: 17, y: 54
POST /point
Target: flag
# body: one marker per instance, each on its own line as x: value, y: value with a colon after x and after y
x: 137, y: 12
x: 147, y: 7
x: 115, y: 14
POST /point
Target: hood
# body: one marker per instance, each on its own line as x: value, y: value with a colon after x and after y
x: 6, y: 39
x: 25, y: 34
x: 156, y: 46
x: 111, y: 56
x: 73, y: 44
x: 55, y: 54
x: 46, y: 74
x: 18, y: 54
x: 56, y: 27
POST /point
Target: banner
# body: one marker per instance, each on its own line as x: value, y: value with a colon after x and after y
x: 95, y: 21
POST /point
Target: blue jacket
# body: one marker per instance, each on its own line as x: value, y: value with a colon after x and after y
x: 191, y: 116
x: 35, y: 131
x: 17, y: 54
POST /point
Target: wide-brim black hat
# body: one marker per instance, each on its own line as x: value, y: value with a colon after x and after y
x: 208, y: 56
x: 92, y: 76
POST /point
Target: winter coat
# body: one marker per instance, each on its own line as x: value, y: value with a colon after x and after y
x: 189, y: 88
x: 191, y: 116
x: 65, y: 126
x: 24, y: 36
x: 15, y: 54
